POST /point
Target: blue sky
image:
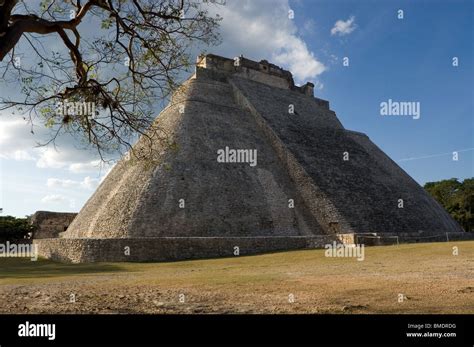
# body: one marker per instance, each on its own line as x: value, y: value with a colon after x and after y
x: 407, y: 59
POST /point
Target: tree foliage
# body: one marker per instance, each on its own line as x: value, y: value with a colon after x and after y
x: 12, y: 228
x: 457, y: 198
x: 123, y: 56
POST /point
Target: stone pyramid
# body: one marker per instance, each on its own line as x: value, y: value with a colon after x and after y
x: 255, y: 164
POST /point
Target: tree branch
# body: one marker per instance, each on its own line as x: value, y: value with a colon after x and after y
x: 20, y: 24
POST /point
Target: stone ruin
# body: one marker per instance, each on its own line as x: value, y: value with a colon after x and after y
x: 50, y: 224
x: 314, y: 181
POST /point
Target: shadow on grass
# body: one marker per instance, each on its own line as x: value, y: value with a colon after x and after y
x: 25, y: 268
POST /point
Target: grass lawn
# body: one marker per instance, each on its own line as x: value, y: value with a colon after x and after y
x: 428, y: 277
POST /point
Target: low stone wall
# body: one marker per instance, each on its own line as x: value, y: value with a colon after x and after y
x: 381, y: 239
x: 169, y: 248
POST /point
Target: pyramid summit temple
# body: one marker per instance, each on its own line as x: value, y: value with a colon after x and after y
x: 258, y: 164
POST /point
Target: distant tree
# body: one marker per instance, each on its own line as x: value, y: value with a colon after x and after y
x: 457, y: 198
x: 122, y: 55
x: 12, y: 228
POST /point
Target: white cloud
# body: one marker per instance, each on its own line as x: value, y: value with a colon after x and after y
x: 88, y: 183
x: 66, y: 155
x: 22, y: 155
x: 51, y: 158
x: 89, y: 166
x: 301, y: 62
x: 53, y: 198
x: 18, y: 142
x: 344, y: 27
x: 262, y: 30
x: 58, y: 200
x: 16, y: 138
x: 57, y: 182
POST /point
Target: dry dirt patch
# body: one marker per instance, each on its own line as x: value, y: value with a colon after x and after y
x: 428, y: 276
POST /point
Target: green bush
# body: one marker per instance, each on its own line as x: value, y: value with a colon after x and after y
x: 457, y: 198
x: 12, y: 228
